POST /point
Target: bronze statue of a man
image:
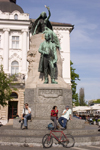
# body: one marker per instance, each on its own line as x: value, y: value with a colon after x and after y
x: 48, y: 59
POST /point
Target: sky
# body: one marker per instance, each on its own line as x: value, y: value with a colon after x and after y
x: 84, y: 39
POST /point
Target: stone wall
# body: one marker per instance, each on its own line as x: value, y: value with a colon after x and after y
x: 44, y: 97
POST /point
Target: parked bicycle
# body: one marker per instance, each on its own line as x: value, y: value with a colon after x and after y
x: 66, y: 140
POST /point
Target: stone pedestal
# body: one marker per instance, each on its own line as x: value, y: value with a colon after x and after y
x: 42, y: 99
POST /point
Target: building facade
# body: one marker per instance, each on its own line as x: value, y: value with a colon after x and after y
x: 14, y: 44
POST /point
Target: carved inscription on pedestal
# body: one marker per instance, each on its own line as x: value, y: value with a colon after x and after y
x: 50, y: 93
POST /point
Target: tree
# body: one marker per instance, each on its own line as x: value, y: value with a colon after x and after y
x: 5, y: 89
x: 74, y: 77
x: 81, y: 97
x: 96, y: 101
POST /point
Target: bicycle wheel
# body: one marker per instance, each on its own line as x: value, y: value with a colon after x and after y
x: 67, y: 140
x: 47, y: 141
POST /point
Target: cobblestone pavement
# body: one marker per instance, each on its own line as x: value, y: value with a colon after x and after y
x: 96, y: 147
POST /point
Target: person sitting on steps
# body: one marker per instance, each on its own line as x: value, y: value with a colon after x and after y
x: 66, y: 115
x: 26, y: 115
x: 54, y: 117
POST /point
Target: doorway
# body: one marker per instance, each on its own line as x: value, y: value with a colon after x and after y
x: 12, y: 109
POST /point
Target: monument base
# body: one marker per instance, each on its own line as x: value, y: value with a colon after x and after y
x: 42, y: 99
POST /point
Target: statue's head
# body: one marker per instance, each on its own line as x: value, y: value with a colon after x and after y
x: 43, y: 15
x: 47, y: 36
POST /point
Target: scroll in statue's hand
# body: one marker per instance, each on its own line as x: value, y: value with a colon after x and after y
x: 46, y: 7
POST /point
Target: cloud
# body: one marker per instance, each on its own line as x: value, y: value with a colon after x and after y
x: 79, y: 37
x: 86, y: 31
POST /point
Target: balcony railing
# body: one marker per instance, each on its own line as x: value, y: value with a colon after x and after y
x: 19, y: 78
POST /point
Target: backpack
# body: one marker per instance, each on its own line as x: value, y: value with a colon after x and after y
x: 50, y: 126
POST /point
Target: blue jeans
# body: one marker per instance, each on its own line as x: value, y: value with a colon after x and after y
x: 63, y: 124
x: 27, y: 117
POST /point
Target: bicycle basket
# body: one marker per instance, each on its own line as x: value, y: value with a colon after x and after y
x: 50, y: 126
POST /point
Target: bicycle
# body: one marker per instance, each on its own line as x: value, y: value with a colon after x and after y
x: 66, y: 140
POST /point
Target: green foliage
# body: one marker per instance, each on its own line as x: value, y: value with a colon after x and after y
x: 97, y: 101
x: 81, y: 97
x: 5, y: 90
x: 74, y: 77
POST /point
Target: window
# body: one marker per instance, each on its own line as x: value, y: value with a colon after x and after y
x: 15, y: 42
x: 16, y: 17
x: 14, y: 95
x: 14, y: 67
x: 0, y: 41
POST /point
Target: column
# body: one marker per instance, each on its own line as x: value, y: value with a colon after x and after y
x: 6, y: 50
x: 65, y: 52
x: 24, y: 50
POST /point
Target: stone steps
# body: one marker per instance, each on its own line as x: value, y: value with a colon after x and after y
x: 42, y: 132
x: 20, y: 139
x: 9, y: 135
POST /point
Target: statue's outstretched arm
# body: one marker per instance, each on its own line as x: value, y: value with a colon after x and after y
x: 36, y: 28
x: 49, y: 13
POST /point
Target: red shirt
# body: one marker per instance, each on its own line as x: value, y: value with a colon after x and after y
x: 54, y: 114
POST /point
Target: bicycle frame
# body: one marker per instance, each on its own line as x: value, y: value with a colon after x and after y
x: 62, y: 133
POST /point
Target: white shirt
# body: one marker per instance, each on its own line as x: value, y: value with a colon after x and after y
x: 26, y: 111
x: 67, y: 114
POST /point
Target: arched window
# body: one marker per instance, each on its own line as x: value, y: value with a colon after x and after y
x: 14, y: 67
x: 14, y: 95
x: 16, y: 17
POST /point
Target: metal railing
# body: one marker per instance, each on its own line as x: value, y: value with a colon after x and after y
x: 20, y: 78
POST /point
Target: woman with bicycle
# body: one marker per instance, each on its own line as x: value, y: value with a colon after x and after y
x: 54, y: 117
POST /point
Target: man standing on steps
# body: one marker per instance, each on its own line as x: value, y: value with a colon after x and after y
x: 26, y: 115
x: 66, y: 115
